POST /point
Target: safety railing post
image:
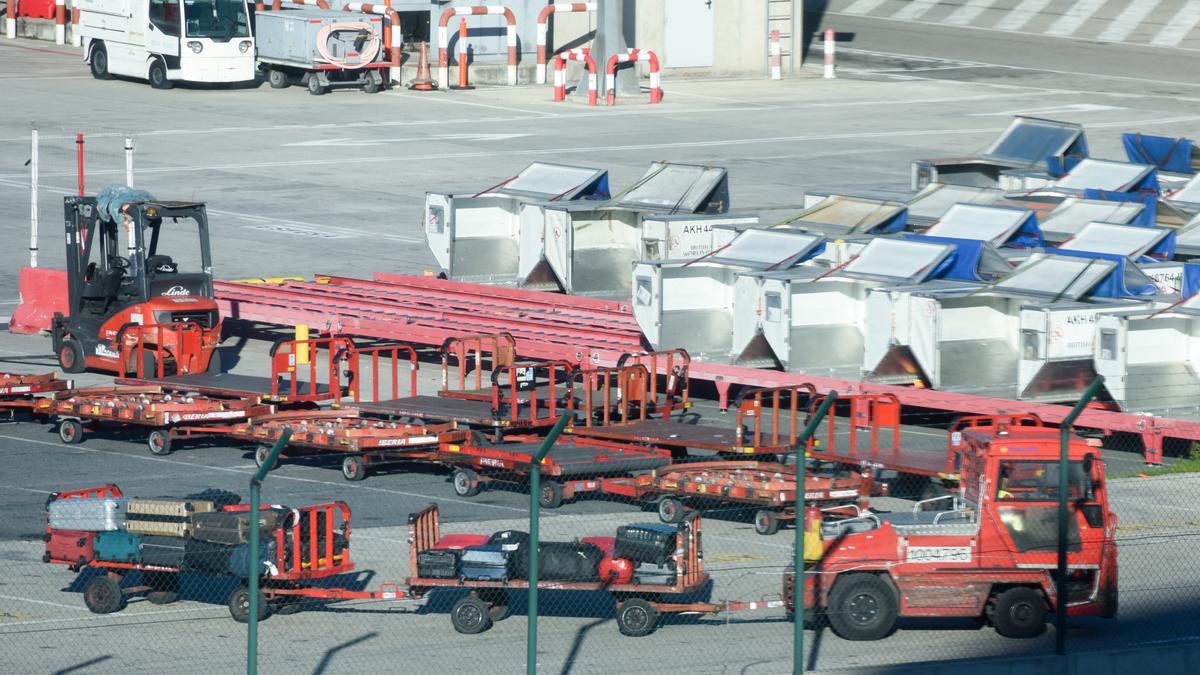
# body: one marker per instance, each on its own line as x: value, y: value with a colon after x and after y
x: 535, y: 487
x: 798, y: 551
x: 253, y: 545
x: 1064, y: 514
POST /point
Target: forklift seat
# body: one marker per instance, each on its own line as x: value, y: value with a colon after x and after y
x: 161, y: 264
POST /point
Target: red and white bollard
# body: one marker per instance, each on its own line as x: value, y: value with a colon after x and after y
x: 776, y: 57
x: 10, y: 20
x: 542, y: 22
x: 560, y: 73
x: 60, y: 22
x: 443, y: 33
x: 464, y: 57
x: 76, y: 38
x: 633, y: 55
x: 829, y: 62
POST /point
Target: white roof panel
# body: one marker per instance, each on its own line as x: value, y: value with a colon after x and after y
x: 548, y: 180
x: 1124, y: 240
x: 1073, y: 214
x: 1066, y: 278
x: 936, y: 198
x: 993, y: 224
x: 1103, y: 174
x: 1188, y: 193
x: 679, y: 188
x: 1029, y: 140
x: 897, y: 259
x: 763, y: 248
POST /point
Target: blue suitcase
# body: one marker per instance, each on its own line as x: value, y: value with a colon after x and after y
x: 118, y: 546
x: 484, y: 563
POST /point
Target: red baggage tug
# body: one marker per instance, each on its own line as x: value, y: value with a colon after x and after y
x: 993, y: 556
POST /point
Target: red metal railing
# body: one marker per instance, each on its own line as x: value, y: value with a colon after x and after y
x: 477, y: 354
x: 615, y: 395
x: 778, y: 407
x: 182, y: 341
x: 329, y: 358
x: 314, y: 534
x: 386, y: 367
x: 673, y: 365
x: 518, y: 384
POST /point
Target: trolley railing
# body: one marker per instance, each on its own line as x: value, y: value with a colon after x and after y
x: 465, y: 360
x: 672, y: 365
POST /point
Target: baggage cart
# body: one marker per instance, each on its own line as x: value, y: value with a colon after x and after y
x: 638, y: 605
x: 19, y: 392
x: 321, y: 49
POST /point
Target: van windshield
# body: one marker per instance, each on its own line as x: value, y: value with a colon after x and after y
x: 221, y: 20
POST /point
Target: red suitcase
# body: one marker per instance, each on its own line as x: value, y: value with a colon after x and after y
x: 458, y: 542
x: 606, y: 544
x: 74, y: 546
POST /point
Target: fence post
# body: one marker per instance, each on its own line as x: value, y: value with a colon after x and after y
x: 535, y: 486
x: 33, y: 199
x: 252, y: 545
x: 1064, y: 483
x: 798, y: 552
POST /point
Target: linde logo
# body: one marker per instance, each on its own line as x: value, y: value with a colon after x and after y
x: 176, y: 291
x: 1081, y: 319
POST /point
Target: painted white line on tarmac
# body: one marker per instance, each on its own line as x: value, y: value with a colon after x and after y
x: 344, y: 485
x: 42, y: 602
x: 436, y: 98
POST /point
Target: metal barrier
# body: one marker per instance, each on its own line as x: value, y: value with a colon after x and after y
x: 560, y: 73
x: 542, y: 23
x: 516, y: 385
x: 330, y: 353
x: 633, y: 55
x: 478, y: 353
x: 444, y: 38
x: 393, y: 37
x: 672, y: 363
x: 616, y: 395
x: 389, y: 357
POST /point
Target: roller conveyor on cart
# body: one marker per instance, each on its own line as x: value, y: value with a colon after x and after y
x: 568, y: 457
x: 676, y: 434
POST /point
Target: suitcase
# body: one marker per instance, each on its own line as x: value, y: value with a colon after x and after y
x: 240, y: 556
x: 510, y: 540
x: 561, y: 561
x: 484, y: 563
x: 168, y: 507
x: 219, y: 498
x: 158, y: 528
x: 94, y: 514
x: 207, y: 557
x: 118, y: 546
x: 458, y: 542
x: 438, y: 563
x: 163, y: 551
x: 231, y: 527
x: 75, y: 546
x: 650, y: 573
x: 646, y: 542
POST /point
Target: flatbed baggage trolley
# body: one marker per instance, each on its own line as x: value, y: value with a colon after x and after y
x: 19, y: 392
x: 363, y: 441
x: 638, y: 605
x: 312, y: 544
x: 166, y: 415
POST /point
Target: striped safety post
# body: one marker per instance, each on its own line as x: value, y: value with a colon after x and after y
x: 560, y: 73
x: 542, y: 23
x: 76, y: 38
x: 60, y: 22
x: 829, y: 62
x: 10, y: 19
x: 776, y: 56
x: 633, y: 55
x: 444, y: 38
x: 393, y: 37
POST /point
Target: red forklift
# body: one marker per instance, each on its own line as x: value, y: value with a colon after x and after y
x: 131, y: 307
x: 993, y: 556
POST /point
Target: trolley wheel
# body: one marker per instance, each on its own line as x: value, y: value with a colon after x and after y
x: 466, y: 482
x: 70, y: 431
x: 354, y: 468
x: 470, y: 615
x: 862, y: 607
x: 550, y: 494
x: 158, y: 75
x: 278, y: 79
x: 165, y: 587
x: 70, y: 354
x: 636, y: 618
x: 670, y: 510
x: 1019, y: 613
x: 239, y: 604
x: 103, y: 595
x: 260, y: 457
x: 314, y: 85
x: 498, y: 605
x: 159, y: 442
x: 766, y: 522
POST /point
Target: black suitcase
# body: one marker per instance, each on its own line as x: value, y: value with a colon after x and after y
x: 219, y: 498
x: 646, y: 542
x: 206, y: 557
x: 163, y: 551
x: 510, y: 541
x: 232, y: 527
x: 486, y: 563
x: 561, y: 561
x: 437, y: 564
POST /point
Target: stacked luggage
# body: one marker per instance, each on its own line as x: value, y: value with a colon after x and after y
x: 640, y: 553
x: 206, y: 532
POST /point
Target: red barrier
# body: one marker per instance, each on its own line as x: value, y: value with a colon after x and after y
x: 560, y: 73
x: 633, y: 55
x: 542, y: 21
x: 444, y: 38
x: 43, y: 292
x: 393, y: 37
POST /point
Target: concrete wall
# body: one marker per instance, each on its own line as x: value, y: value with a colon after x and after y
x: 740, y: 35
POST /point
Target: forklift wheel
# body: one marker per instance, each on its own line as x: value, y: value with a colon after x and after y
x: 70, y: 431
x: 354, y: 468
x: 70, y: 356
x: 1020, y: 613
x: 159, y: 442
x: 766, y: 522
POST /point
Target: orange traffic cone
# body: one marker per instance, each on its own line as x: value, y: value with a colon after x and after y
x: 423, y: 81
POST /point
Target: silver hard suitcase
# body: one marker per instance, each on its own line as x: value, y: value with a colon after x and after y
x: 92, y: 514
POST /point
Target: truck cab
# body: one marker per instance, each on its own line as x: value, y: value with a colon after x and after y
x: 992, y: 556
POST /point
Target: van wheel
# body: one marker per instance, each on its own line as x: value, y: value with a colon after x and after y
x: 99, y: 62
x: 158, y: 75
x: 1019, y: 613
x: 277, y: 79
x: 314, y: 85
x: 862, y: 607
